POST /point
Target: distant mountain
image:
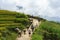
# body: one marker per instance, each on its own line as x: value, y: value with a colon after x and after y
x: 54, y: 19
x: 57, y: 19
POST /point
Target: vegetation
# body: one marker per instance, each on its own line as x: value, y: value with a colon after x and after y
x: 36, y: 17
x: 9, y: 20
x: 48, y: 30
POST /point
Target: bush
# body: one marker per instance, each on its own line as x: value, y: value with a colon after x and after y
x: 22, y: 20
x: 19, y: 15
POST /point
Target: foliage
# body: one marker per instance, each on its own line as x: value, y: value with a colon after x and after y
x: 22, y: 20
x: 48, y: 30
x: 18, y: 15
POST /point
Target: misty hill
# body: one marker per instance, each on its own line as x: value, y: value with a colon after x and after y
x: 56, y: 19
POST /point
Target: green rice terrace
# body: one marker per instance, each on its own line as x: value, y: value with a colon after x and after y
x: 10, y: 20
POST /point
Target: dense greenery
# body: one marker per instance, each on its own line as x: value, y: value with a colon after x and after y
x: 9, y: 20
x: 47, y: 30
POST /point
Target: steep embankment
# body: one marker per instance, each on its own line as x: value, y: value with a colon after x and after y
x: 9, y: 20
x: 47, y: 30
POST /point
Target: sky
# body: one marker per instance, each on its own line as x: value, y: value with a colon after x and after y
x: 44, y: 8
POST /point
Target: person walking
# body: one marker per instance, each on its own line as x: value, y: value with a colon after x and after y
x: 29, y: 32
x: 19, y: 33
x: 17, y: 29
x: 24, y: 31
x: 32, y: 27
x: 27, y: 27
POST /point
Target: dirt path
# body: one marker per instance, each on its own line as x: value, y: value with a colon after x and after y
x: 26, y: 36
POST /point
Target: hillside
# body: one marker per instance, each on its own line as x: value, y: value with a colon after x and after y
x: 9, y: 20
x: 48, y: 30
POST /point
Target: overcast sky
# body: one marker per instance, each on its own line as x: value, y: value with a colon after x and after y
x: 50, y: 8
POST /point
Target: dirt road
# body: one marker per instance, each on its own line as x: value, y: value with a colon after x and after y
x: 26, y: 36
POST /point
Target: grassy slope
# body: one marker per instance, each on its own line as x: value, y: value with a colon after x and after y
x: 47, y: 30
x: 8, y: 21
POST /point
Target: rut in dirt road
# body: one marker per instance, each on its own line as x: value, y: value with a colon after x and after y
x: 35, y: 23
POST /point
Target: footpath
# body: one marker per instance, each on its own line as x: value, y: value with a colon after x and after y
x: 26, y: 36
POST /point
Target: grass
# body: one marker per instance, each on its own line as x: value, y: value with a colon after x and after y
x: 37, y: 37
x: 47, y: 30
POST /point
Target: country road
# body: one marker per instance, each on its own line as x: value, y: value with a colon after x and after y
x: 26, y: 36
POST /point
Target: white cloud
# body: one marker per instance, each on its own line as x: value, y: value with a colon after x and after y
x: 49, y: 8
